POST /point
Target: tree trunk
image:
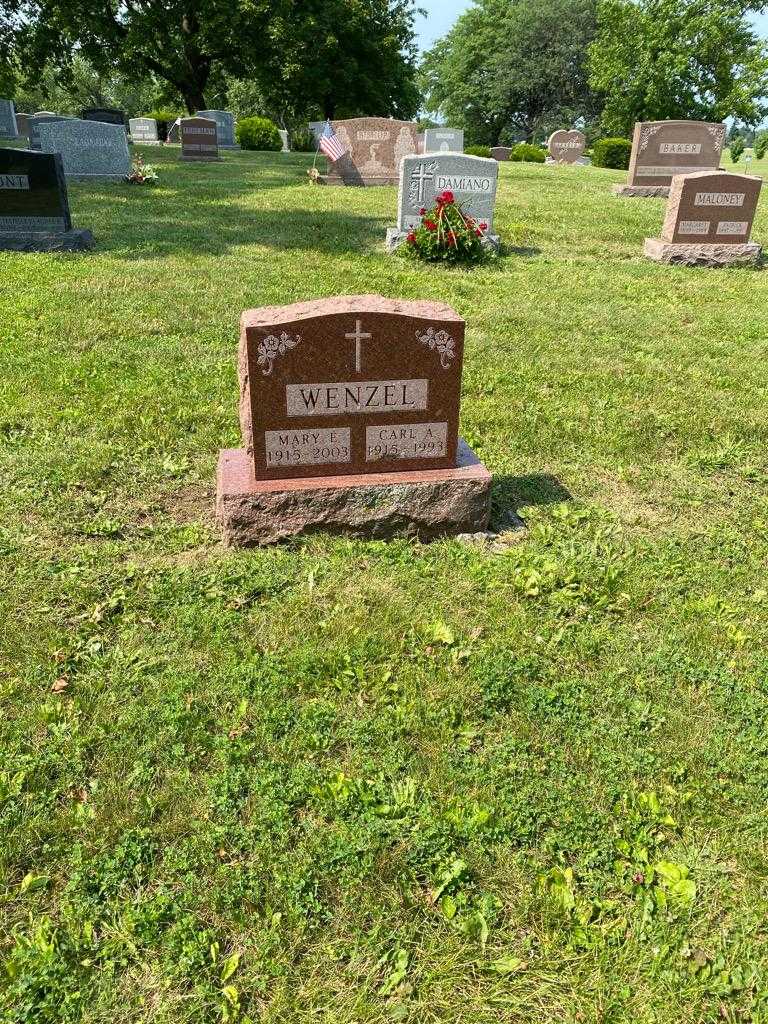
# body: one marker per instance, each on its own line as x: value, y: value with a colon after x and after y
x: 329, y: 108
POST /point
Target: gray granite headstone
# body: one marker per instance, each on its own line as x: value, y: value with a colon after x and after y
x: 284, y: 136
x: 225, y: 127
x: 22, y: 123
x: 317, y: 128
x: 8, y: 128
x: 443, y: 140
x: 40, y: 118
x: 34, y: 210
x: 144, y: 131
x: 471, y: 179
x: 89, y: 149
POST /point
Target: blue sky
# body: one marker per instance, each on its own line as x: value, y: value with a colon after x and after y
x: 443, y: 13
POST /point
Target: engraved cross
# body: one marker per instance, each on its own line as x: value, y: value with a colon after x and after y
x: 358, y: 336
x: 419, y: 178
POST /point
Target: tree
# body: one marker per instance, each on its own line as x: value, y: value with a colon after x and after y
x: 678, y: 59
x: 512, y: 68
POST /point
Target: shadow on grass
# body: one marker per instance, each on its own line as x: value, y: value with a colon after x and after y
x: 512, y: 493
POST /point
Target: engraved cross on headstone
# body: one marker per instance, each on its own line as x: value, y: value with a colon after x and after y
x: 358, y: 336
x: 420, y: 176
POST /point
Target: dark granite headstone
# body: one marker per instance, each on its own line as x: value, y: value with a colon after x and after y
x: 34, y: 209
x: 109, y: 115
x: 22, y: 123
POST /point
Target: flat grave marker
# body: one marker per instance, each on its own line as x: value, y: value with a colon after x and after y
x: 708, y: 220
x: 349, y: 411
x: 661, y: 149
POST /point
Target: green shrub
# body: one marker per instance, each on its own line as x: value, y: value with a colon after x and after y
x: 478, y: 151
x: 259, y: 133
x: 303, y: 141
x: 736, y: 148
x: 524, y: 152
x: 165, y: 119
x: 613, y: 153
x: 761, y: 145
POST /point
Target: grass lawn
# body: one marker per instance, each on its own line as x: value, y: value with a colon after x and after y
x: 349, y: 782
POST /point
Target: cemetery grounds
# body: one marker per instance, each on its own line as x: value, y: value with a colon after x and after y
x: 349, y: 782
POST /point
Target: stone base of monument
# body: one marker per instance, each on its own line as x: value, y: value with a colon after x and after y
x: 583, y: 161
x: 396, y: 237
x: 201, y: 159
x: 427, y: 504
x: 641, y: 191
x: 701, y: 254
x: 76, y: 240
x: 335, y: 179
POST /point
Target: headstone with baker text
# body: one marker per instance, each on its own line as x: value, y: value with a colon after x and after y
x: 661, y: 149
x: 8, y: 126
x: 34, y: 209
x: 443, y: 140
x: 567, y: 147
x: 349, y: 411
x: 89, y: 149
x: 198, y: 139
x: 472, y: 180
x: 374, y: 148
x: 709, y: 220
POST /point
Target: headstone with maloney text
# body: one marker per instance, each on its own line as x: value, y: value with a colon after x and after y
x: 709, y: 220
x: 144, y: 131
x: 8, y: 126
x: 199, y: 139
x: 89, y: 149
x: 443, y: 140
x: 472, y: 180
x: 567, y: 147
x: 374, y: 148
x: 225, y: 127
x: 501, y: 152
x: 349, y: 411
x: 34, y: 209
x: 662, y: 149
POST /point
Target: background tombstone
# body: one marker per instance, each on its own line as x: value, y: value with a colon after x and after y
x: 22, y: 124
x: 284, y: 136
x: 472, y: 179
x: 317, y: 128
x: 501, y: 152
x: 567, y: 147
x: 34, y: 122
x: 375, y: 146
x: 144, y: 131
x: 89, y: 149
x: 8, y: 127
x: 443, y: 140
x: 225, y: 127
x: 708, y: 221
x: 349, y: 412
x: 661, y: 149
x: 34, y: 209
x: 106, y: 115
x: 199, y: 139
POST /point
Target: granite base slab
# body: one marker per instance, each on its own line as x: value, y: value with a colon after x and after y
x: 396, y: 237
x: 427, y: 504
x: 76, y: 240
x: 701, y: 254
x: 334, y: 179
x: 201, y: 159
x: 641, y: 191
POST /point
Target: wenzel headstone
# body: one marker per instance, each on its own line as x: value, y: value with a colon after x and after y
x: 709, y: 220
x: 375, y: 146
x: 567, y: 147
x: 198, y: 139
x: 349, y: 412
x: 34, y: 210
x: 105, y: 115
x: 471, y: 179
x: 89, y: 149
x: 144, y: 131
x: 661, y: 149
x: 501, y: 152
x: 8, y: 126
x: 225, y: 127
x: 443, y: 140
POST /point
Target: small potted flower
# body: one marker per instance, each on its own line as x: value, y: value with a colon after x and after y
x: 447, y: 234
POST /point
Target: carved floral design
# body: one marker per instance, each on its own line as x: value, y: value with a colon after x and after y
x: 272, y: 347
x: 646, y: 135
x: 718, y: 135
x: 441, y: 342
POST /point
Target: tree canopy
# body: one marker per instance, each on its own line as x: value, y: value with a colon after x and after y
x: 681, y: 59
x: 512, y: 68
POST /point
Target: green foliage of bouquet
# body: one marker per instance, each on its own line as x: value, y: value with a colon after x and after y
x: 141, y: 173
x: 448, y: 235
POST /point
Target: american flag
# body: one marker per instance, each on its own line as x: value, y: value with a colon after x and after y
x: 331, y: 144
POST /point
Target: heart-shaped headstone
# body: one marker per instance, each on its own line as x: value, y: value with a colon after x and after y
x: 567, y: 147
